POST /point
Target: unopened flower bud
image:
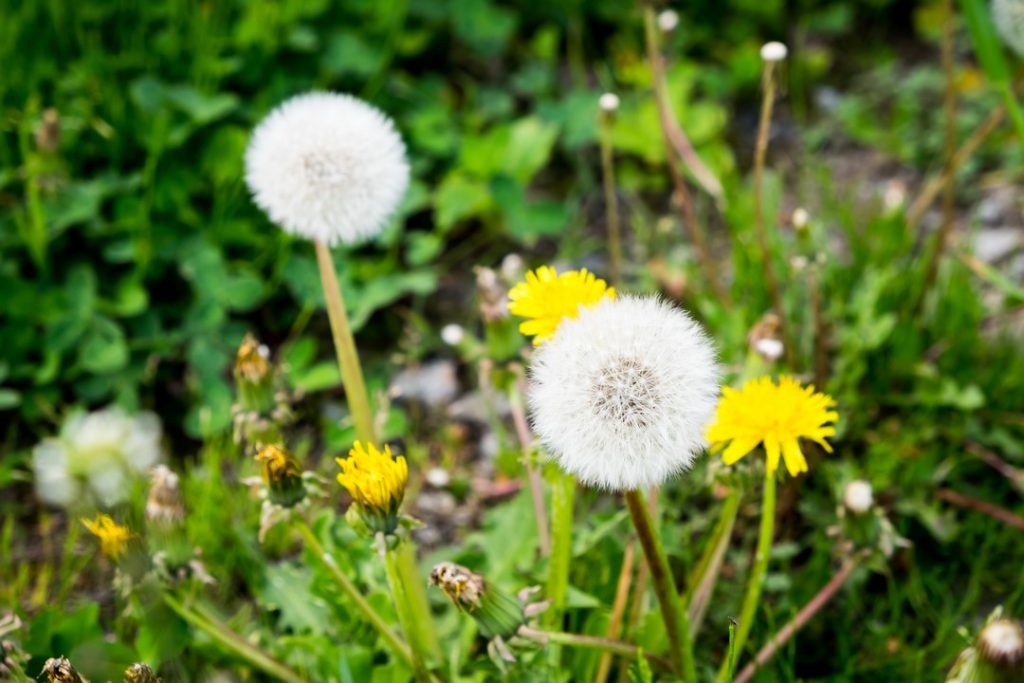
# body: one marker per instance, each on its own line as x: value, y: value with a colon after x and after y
x: 140, y: 673
x: 59, y: 670
x: 254, y: 375
x: 668, y: 20
x: 773, y: 51
x: 858, y: 496
x: 609, y: 102
x: 495, y: 612
x: 282, y: 474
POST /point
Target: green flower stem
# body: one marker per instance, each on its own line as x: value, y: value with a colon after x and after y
x: 350, y: 590
x: 752, y: 598
x: 704, y: 578
x: 232, y: 641
x: 677, y: 622
x: 616, y: 647
x: 563, y: 491
x: 412, y: 606
x: 345, y: 346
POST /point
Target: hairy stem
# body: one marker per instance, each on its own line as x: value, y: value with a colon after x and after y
x: 677, y: 624
x: 752, y: 597
x: 415, y: 618
x: 345, y: 346
x: 349, y: 589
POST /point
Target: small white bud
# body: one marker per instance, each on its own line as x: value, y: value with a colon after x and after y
x: 800, y: 218
x: 858, y: 497
x: 770, y: 349
x: 452, y: 334
x: 609, y: 102
x: 773, y: 51
x: 668, y: 20
x: 894, y: 196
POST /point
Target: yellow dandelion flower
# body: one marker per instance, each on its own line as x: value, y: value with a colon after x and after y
x: 376, y: 481
x: 547, y: 298
x: 777, y: 415
x: 113, y: 537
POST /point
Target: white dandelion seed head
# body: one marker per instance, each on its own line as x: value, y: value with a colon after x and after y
x: 858, y: 496
x: 668, y: 20
x: 773, y: 51
x: 609, y: 102
x: 328, y: 167
x: 800, y: 218
x: 622, y: 394
x: 452, y: 334
x: 1002, y: 642
x: 771, y: 349
x: 97, y: 453
x: 1008, y: 16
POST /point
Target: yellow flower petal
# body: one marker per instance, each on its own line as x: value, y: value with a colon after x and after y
x: 547, y: 298
x: 776, y: 415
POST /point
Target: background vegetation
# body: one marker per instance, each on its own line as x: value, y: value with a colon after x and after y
x: 132, y: 262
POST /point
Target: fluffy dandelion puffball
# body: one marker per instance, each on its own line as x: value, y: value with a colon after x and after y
x: 858, y: 497
x: 777, y: 415
x: 621, y: 394
x: 1008, y: 16
x: 328, y: 167
x: 547, y: 298
x: 773, y: 51
x: 1001, y: 642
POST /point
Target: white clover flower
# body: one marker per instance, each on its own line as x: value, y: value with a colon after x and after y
x: 622, y: 394
x: 858, y: 497
x: 328, y: 167
x: 97, y: 453
x: 1008, y: 16
x: 773, y: 51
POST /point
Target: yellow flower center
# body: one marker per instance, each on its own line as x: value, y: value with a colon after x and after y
x: 547, y: 298
x: 776, y: 415
x: 113, y: 537
x: 277, y: 463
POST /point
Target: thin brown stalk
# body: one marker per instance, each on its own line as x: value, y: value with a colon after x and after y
x: 618, y: 609
x: 932, y: 188
x: 984, y: 507
x: 948, y: 195
x: 799, y: 621
x: 611, y: 199
x: 820, y: 331
x: 760, y: 152
x: 668, y: 122
x: 532, y: 475
x: 1014, y: 474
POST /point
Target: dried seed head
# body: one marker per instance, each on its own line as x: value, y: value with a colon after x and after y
x: 609, y: 102
x: 765, y: 337
x: 773, y: 51
x: 668, y: 20
x: 1001, y: 644
x: 498, y: 614
x: 140, y: 673
x: 59, y: 670
x: 164, y: 503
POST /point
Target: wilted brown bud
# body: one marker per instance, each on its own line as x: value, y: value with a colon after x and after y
x: 140, y: 673
x: 59, y: 670
x: 496, y: 613
x: 493, y: 294
x: 164, y: 503
x: 48, y: 132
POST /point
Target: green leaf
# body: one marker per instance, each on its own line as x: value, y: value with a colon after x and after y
x: 529, y: 148
x: 458, y: 198
x: 104, y: 348
x: 987, y: 43
x: 287, y: 588
x: 9, y: 398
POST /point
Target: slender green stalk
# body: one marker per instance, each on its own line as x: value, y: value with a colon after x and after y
x: 222, y: 633
x: 705, y: 577
x: 611, y: 199
x: 414, y: 617
x: 615, y: 647
x: 730, y: 656
x: 677, y: 622
x: 345, y: 346
x: 760, y: 151
x: 1013, y: 107
x: 350, y: 590
x: 533, y: 478
x: 752, y: 597
x: 562, y: 493
x: 618, y: 609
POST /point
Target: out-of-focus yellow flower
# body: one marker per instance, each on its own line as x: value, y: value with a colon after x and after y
x: 113, y: 537
x: 777, y: 415
x: 252, y: 362
x: 376, y: 481
x: 547, y: 298
x: 282, y: 474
